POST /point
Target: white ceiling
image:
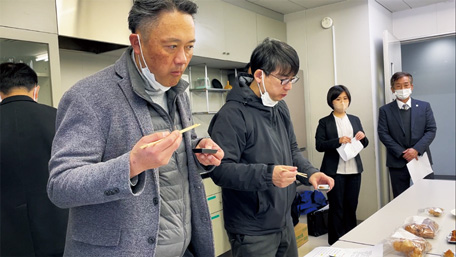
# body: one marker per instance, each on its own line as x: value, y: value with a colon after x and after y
x: 290, y: 6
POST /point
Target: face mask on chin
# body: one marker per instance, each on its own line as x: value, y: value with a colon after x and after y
x: 403, y: 93
x: 148, y: 75
x: 265, y: 98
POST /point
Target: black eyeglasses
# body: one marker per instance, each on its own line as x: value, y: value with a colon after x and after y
x: 283, y: 82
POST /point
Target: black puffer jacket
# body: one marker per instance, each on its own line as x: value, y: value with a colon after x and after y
x: 254, y: 138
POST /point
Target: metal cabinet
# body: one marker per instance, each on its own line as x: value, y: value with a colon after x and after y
x: 39, y: 50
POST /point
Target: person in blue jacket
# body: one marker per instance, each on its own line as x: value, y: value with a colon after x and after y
x: 334, y: 130
x: 259, y: 169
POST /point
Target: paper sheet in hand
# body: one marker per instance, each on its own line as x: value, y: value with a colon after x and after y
x: 373, y: 251
x: 418, y: 169
x: 350, y: 150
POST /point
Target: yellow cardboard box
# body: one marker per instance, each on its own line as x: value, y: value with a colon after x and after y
x: 301, y: 233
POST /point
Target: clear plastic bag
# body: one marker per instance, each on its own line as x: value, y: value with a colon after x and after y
x: 407, y: 243
x: 432, y: 211
x: 421, y: 226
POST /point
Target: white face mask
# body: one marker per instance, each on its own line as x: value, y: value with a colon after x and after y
x: 265, y: 98
x: 340, y: 107
x: 148, y: 75
x: 403, y: 93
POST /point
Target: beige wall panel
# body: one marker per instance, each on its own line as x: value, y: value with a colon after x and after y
x: 36, y: 15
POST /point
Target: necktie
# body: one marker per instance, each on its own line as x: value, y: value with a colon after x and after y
x: 405, y: 107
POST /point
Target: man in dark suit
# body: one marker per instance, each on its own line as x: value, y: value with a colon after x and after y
x: 406, y: 127
x: 30, y: 224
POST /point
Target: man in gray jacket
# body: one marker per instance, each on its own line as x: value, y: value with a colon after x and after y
x: 126, y: 199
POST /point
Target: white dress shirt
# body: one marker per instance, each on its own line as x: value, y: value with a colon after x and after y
x: 344, y: 128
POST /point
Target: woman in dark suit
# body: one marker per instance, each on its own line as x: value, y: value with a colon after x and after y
x: 334, y: 130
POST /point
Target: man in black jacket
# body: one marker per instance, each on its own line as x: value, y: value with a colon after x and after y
x: 262, y: 159
x: 30, y: 224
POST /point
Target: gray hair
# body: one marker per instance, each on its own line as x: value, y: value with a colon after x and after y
x: 145, y: 12
x: 400, y: 74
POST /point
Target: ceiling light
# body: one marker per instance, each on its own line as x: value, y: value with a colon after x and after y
x: 42, y: 57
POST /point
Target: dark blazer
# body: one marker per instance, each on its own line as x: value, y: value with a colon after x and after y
x: 30, y: 224
x: 392, y: 134
x: 327, y: 141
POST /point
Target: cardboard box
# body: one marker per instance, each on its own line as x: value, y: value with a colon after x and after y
x: 301, y: 234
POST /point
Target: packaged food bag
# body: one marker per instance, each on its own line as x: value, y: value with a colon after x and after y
x: 432, y: 211
x: 407, y: 243
x: 421, y: 226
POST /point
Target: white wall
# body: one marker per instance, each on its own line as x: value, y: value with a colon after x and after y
x: 380, y: 20
x: 355, y: 69
x: 426, y: 21
x: 75, y: 65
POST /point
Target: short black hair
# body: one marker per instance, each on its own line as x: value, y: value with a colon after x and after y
x: 16, y: 75
x: 146, y: 12
x: 273, y: 54
x: 398, y: 75
x: 335, y: 92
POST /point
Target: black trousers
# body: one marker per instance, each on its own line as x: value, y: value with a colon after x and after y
x: 400, y: 180
x: 343, y: 202
x: 280, y: 244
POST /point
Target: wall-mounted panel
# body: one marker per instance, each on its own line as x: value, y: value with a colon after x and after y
x: 29, y: 15
x: 98, y: 20
x: 267, y: 27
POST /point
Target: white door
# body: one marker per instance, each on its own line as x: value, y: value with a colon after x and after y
x: 392, y: 61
